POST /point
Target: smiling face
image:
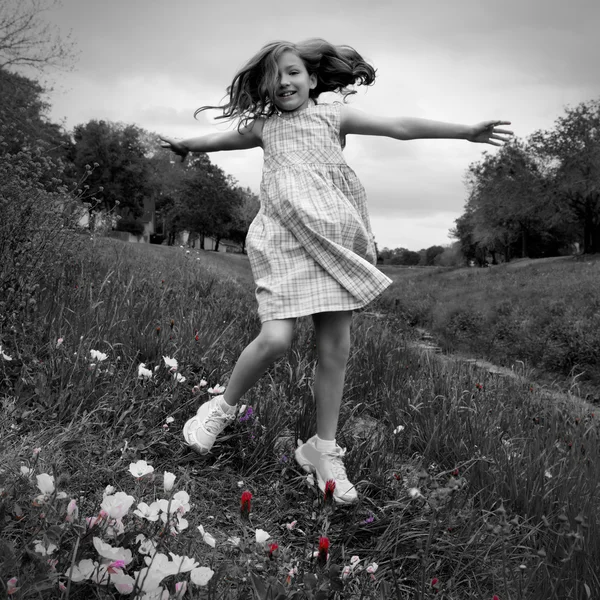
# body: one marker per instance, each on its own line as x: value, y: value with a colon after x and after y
x: 293, y: 89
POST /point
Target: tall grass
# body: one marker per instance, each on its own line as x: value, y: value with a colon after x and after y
x: 544, y: 313
x: 470, y: 485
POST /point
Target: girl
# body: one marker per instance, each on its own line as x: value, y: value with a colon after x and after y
x: 310, y: 246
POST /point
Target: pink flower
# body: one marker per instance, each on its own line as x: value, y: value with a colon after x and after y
x: 323, y: 551
x: 217, y: 389
x: 245, y: 504
x: 329, y: 489
x: 11, y: 586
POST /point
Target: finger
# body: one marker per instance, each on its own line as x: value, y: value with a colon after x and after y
x: 506, y: 131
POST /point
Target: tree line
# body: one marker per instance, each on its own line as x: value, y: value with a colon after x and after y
x: 536, y: 197
x: 115, y: 166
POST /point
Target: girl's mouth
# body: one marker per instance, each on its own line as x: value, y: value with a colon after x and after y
x: 286, y: 94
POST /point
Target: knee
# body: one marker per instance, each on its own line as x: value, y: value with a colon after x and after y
x: 334, y: 350
x: 273, y: 345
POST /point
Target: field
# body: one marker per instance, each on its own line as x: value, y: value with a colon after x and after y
x: 472, y: 485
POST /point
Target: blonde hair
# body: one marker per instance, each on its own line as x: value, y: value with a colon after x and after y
x: 251, y: 93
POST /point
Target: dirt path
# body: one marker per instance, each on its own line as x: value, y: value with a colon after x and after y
x: 518, y: 373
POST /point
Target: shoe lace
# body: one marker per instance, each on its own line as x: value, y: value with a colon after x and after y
x: 216, y: 421
x: 337, y: 465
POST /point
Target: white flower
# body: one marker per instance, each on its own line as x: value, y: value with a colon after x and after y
x: 108, y: 552
x: 217, y: 389
x: 26, y: 471
x: 59, y: 341
x: 158, y: 593
x: 261, y: 536
x: 147, y: 546
x: 168, y: 481
x: 180, y: 589
x: 399, y: 429
x: 208, y: 539
x: 140, y: 468
x: 372, y: 568
x: 546, y: 473
x: 98, y: 356
x: 45, y: 549
x: 291, y: 525
x: 181, y: 500
x: 123, y: 582
x: 72, y: 511
x: 148, y: 512
x: 354, y: 561
x: 180, y: 525
x: 4, y: 355
x: 415, y: 493
x: 144, y: 373
x: 117, y: 505
x: 45, y: 483
x: 169, y: 420
x: 203, y: 383
x: 179, y: 378
x: 234, y: 541
x: 346, y: 572
x: 82, y: 571
x: 242, y: 409
x: 201, y: 575
x: 109, y: 489
x: 240, y: 483
x: 183, y: 563
x: 171, y: 363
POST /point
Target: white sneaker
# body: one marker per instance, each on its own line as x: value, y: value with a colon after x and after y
x: 327, y: 465
x: 201, y: 431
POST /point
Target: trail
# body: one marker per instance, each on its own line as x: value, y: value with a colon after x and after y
x: 518, y: 372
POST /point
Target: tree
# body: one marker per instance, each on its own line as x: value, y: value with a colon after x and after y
x: 571, y: 156
x: 210, y: 199
x: 26, y: 40
x: 24, y: 127
x: 243, y: 215
x: 508, y: 206
x: 122, y: 170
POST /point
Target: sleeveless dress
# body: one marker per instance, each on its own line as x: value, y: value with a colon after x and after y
x: 310, y: 246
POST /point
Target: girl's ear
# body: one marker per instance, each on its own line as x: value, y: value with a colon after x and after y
x: 313, y: 81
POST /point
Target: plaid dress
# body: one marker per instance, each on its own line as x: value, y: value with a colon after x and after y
x: 310, y: 246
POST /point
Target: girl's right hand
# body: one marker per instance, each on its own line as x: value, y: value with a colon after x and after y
x: 175, y: 146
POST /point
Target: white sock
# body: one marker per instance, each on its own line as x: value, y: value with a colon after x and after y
x: 324, y: 445
x: 226, y: 408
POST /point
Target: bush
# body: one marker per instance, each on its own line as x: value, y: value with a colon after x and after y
x: 38, y: 227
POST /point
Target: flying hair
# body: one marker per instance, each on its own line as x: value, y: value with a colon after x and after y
x: 251, y: 93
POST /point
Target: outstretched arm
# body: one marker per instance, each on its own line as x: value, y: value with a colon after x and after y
x: 411, y: 128
x: 246, y: 137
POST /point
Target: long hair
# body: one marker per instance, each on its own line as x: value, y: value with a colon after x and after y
x: 251, y: 93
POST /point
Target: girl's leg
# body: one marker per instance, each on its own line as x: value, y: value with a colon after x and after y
x: 321, y: 453
x: 272, y: 343
x: 333, y: 348
x: 201, y: 431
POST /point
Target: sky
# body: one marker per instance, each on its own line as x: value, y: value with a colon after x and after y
x: 152, y: 63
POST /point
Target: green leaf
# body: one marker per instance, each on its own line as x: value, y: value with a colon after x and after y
x: 310, y: 581
x: 259, y: 586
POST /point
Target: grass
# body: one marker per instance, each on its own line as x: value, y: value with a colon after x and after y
x: 470, y: 485
x: 544, y: 313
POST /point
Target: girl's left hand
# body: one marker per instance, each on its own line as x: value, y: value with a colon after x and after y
x: 487, y: 132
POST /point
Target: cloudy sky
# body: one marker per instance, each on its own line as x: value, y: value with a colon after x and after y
x: 152, y: 63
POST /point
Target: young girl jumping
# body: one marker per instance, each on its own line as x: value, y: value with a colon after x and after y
x: 310, y: 246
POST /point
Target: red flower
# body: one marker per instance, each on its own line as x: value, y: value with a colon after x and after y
x: 494, y: 597
x: 273, y: 550
x: 323, y: 550
x: 479, y: 386
x: 329, y: 489
x: 245, y: 504
x: 455, y: 472
x: 435, y: 584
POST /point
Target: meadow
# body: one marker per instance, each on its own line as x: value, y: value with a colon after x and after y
x: 472, y: 486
